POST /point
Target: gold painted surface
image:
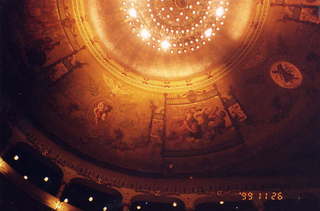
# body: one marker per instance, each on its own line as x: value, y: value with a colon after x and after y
x: 103, y: 110
x: 123, y: 55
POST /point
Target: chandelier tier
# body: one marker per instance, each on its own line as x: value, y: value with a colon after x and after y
x: 175, y: 26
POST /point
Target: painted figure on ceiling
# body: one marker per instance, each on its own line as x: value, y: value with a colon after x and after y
x: 101, y: 112
x: 286, y: 75
x: 202, y: 123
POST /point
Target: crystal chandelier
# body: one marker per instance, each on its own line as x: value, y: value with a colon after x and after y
x: 175, y: 26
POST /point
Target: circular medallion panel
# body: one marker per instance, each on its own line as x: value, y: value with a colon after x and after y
x: 286, y: 75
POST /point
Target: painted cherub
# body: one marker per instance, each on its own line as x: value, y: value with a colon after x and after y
x: 101, y: 112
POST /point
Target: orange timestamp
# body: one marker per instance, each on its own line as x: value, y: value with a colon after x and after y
x: 261, y: 195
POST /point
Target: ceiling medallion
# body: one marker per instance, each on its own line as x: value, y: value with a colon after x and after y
x: 286, y: 75
x: 175, y: 26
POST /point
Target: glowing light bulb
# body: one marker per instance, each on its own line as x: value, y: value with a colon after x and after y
x: 165, y: 44
x: 25, y: 177
x: 139, y: 207
x: 133, y: 12
x: 219, y: 11
x: 16, y: 157
x: 174, y: 204
x: 46, y: 179
x: 221, y: 202
x: 145, y: 34
x: 66, y: 200
x: 208, y: 32
x: 90, y: 199
x: 105, y: 209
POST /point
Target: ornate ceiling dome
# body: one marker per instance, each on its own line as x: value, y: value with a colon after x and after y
x: 113, y: 84
x: 170, y: 40
x: 188, y: 91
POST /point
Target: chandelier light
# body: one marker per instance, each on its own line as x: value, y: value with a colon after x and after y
x: 175, y: 26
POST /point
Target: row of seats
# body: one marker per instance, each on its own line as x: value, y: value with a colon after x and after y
x: 46, y: 175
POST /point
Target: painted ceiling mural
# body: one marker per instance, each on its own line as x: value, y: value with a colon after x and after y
x: 103, y: 94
